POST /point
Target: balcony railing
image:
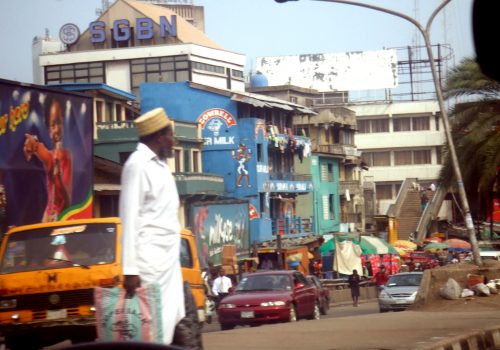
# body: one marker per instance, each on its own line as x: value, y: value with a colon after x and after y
x: 353, y: 186
x: 294, y: 225
x: 289, y: 176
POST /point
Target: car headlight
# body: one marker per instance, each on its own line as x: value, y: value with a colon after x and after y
x: 8, y: 304
x: 384, y: 295
x: 227, y: 306
x: 414, y: 294
x: 273, y: 303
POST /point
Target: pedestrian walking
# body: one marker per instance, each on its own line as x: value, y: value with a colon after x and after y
x: 149, y: 205
x: 221, y: 286
x: 353, y: 281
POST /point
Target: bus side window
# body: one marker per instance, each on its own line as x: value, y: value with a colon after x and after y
x: 186, y: 254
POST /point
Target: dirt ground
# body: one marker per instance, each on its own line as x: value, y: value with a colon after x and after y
x: 439, y: 276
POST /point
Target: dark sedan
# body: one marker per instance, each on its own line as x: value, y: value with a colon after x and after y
x: 269, y: 296
x: 322, y: 294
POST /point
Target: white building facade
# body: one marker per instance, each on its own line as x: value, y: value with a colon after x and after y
x: 399, y: 140
x: 134, y: 42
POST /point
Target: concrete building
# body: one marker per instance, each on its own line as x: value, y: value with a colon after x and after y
x: 133, y: 42
x: 337, y: 196
x: 249, y: 140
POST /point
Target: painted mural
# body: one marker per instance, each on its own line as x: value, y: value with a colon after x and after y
x: 221, y: 223
x: 242, y: 156
x: 46, y: 153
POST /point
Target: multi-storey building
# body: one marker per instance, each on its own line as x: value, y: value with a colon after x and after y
x: 337, y: 196
x: 133, y: 42
x: 249, y: 140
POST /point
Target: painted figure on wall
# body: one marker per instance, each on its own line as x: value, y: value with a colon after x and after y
x: 242, y: 155
x: 57, y: 163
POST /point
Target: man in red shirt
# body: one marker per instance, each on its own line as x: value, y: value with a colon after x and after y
x: 381, y: 277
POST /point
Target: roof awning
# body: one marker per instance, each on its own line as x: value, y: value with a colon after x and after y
x: 271, y: 102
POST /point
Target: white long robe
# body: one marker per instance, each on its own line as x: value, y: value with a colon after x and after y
x: 149, y: 205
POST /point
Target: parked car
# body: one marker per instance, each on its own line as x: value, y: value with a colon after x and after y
x: 400, y: 291
x: 269, y: 296
x: 322, y: 294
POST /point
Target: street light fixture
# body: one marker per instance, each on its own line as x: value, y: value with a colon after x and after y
x: 456, y: 168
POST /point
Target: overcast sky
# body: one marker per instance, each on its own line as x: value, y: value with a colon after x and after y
x: 254, y: 27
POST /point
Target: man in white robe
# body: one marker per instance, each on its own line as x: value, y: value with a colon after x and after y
x: 149, y: 205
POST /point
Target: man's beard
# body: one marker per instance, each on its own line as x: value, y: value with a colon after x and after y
x: 165, y: 153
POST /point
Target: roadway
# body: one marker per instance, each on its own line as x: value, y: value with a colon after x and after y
x: 346, y: 327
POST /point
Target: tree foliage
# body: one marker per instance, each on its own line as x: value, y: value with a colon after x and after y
x: 475, y: 128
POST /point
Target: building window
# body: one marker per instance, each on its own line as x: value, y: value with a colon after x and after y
x: 178, y: 160
x: 330, y: 205
x: 403, y: 158
x: 401, y: 124
x: 330, y: 172
x: 262, y: 202
x: 420, y: 123
x: 99, y: 113
x: 377, y: 158
x: 326, y: 207
x: 293, y: 99
x: 373, y: 125
x: 439, y: 155
x: 156, y: 69
x: 209, y: 68
x: 422, y: 157
x: 238, y: 74
x: 80, y: 73
x: 363, y: 126
x: 259, y: 152
x: 383, y: 191
x: 324, y: 173
x: 196, y: 161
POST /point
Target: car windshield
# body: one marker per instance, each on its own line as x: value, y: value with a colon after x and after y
x: 264, y: 282
x: 56, y: 247
x: 404, y: 280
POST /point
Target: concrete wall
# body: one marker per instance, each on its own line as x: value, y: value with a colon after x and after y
x: 339, y: 296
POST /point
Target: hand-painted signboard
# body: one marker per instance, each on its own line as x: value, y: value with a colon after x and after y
x: 221, y: 223
x: 46, y: 154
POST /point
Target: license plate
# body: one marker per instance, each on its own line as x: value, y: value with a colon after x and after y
x: 56, y: 314
x: 247, y: 314
x: 401, y: 302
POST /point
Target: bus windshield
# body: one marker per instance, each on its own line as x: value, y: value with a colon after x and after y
x: 58, y: 247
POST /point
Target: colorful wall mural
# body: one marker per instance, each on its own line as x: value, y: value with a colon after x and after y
x: 221, y: 223
x: 45, y: 154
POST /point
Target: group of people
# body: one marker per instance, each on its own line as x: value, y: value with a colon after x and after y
x: 354, y: 281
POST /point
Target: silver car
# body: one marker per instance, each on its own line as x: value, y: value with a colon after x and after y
x: 400, y: 291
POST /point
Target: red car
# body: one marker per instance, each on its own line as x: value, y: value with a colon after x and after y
x: 322, y: 294
x: 269, y: 296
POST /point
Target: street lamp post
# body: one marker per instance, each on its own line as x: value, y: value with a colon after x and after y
x: 454, y: 160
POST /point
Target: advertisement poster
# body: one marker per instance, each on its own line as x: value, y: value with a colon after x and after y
x: 46, y: 154
x: 221, y: 223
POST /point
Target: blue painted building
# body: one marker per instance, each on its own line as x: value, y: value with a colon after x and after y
x: 248, y: 140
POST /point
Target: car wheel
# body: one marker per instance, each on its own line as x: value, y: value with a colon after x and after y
x: 293, y: 314
x: 383, y: 310
x: 226, y: 326
x: 316, y: 313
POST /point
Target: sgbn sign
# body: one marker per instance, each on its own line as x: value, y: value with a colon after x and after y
x: 122, y: 31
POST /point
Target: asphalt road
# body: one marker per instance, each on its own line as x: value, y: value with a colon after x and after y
x: 355, y: 328
x: 364, y: 308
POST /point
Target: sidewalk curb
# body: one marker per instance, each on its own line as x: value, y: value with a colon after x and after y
x: 488, y: 338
